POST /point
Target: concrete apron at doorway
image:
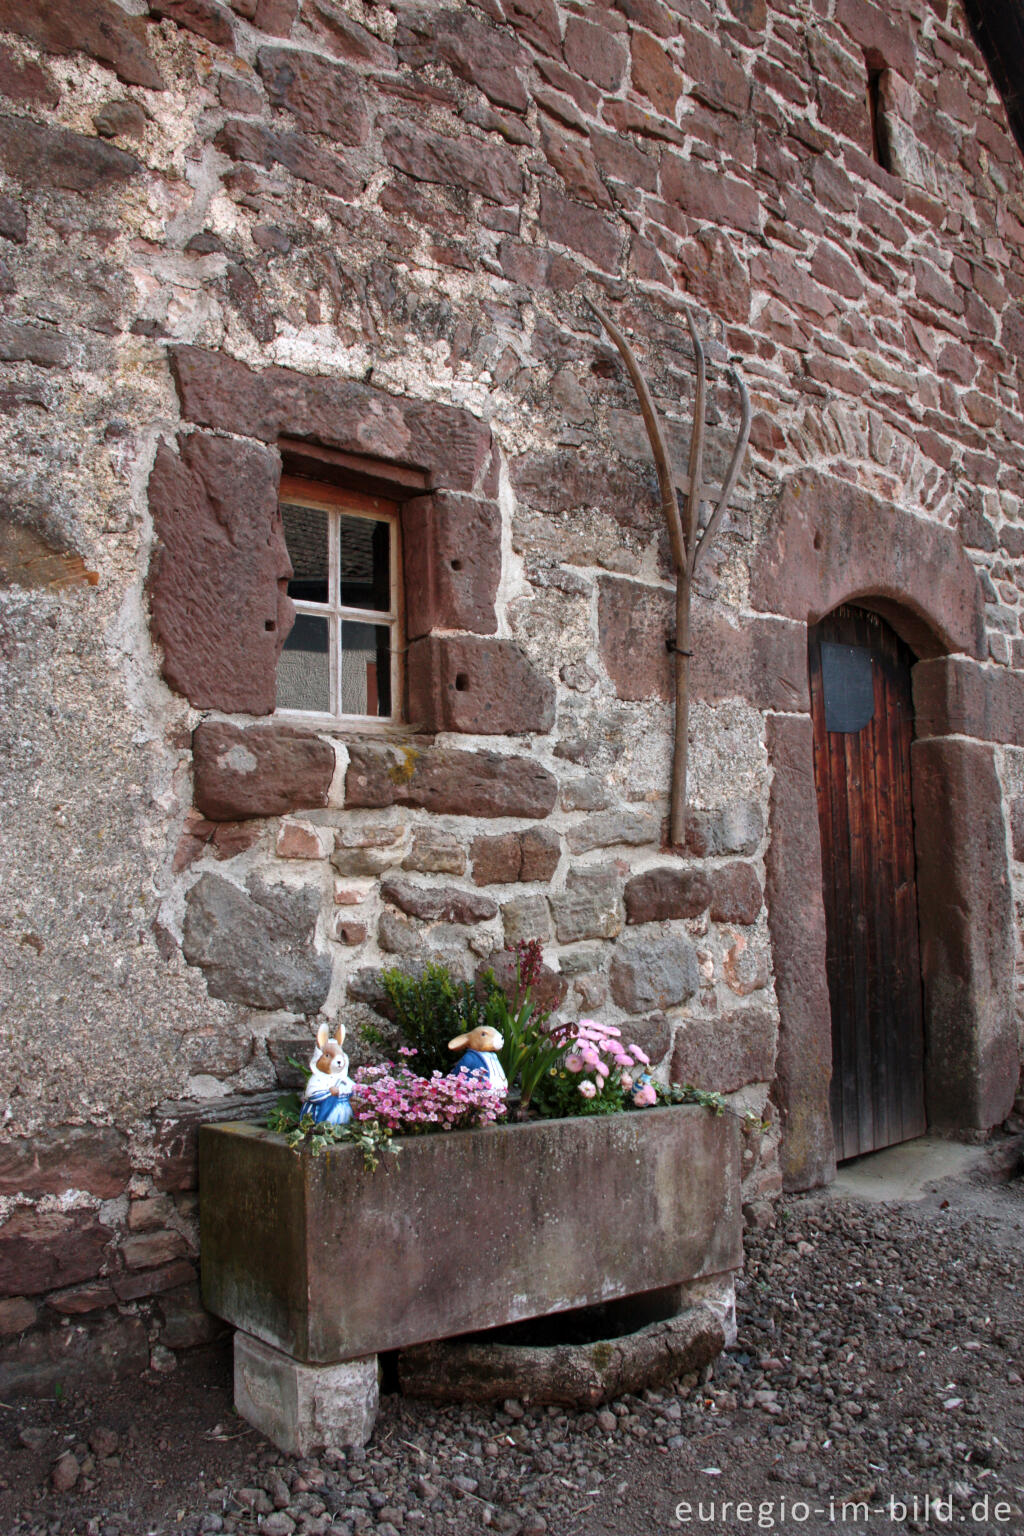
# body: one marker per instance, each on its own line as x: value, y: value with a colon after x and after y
x: 914, y: 1170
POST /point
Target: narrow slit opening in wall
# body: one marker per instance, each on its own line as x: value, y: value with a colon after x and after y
x: 881, y: 151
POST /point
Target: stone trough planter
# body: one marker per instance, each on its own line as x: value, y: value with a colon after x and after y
x: 322, y: 1266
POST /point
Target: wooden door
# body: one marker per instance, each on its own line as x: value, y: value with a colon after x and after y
x: 863, y: 725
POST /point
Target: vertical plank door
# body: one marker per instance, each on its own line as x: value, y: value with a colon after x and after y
x: 863, y: 719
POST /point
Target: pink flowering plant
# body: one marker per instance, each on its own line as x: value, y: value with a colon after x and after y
x: 596, y: 1073
x: 405, y: 1104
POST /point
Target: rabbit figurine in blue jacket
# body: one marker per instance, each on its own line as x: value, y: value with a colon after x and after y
x: 329, y: 1089
x: 480, y: 1055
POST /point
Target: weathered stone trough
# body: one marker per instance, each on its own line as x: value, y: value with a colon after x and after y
x: 322, y: 1265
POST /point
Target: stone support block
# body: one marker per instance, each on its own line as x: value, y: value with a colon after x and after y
x: 304, y: 1409
x: 582, y: 1375
x: 796, y: 923
x: 966, y: 918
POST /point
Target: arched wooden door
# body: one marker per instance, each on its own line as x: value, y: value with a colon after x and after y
x: 863, y: 717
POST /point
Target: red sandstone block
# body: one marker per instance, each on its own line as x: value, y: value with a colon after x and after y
x: 92, y: 1158
x: 870, y: 27
x: 476, y: 52
x: 736, y: 895
x: 480, y: 687
x: 574, y: 161
x: 724, y: 1054
x: 250, y: 771
x: 26, y: 82
x: 664, y: 893
x: 218, y: 391
x: 16, y: 1314
x: 152, y: 1282
x: 296, y: 152
x: 582, y: 229
x: 595, y: 53
x: 41, y: 1250
x: 101, y: 30
x: 654, y: 74
x: 221, y: 623
x: 447, y: 781
x: 79, y: 1299
x: 717, y: 78
x: 323, y: 97
x: 205, y: 17
x: 761, y: 660
x: 536, y: 21
x: 488, y: 169
x: 706, y: 194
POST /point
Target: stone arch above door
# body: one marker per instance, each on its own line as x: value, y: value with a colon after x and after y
x: 831, y: 543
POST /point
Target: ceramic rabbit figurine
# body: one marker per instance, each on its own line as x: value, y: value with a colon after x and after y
x: 481, y: 1045
x: 329, y: 1090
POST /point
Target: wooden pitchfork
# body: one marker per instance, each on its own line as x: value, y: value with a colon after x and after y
x: 689, y: 541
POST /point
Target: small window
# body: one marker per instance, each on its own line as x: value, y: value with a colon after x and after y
x: 341, y: 657
x: 878, y: 93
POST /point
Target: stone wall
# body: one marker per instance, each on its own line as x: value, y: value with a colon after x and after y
x: 371, y: 226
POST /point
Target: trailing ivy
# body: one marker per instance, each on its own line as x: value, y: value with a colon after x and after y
x: 370, y: 1136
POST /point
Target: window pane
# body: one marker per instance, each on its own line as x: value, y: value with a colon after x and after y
x: 305, y: 533
x: 304, y: 670
x: 365, y: 668
x: 365, y: 563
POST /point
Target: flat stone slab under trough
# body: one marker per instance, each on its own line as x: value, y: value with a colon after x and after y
x: 463, y: 1230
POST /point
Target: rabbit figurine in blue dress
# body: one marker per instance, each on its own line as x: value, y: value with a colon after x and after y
x: 327, y: 1099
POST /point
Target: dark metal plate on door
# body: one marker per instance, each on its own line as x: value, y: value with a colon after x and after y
x: 848, y: 686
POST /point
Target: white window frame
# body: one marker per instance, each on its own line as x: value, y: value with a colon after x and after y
x: 337, y: 502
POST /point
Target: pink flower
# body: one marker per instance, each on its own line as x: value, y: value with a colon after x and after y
x: 626, y: 1081
x: 574, y: 1063
x: 639, y: 1055
x: 645, y: 1096
x: 587, y: 1089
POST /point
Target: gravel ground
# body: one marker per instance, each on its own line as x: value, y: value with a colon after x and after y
x: 880, y: 1358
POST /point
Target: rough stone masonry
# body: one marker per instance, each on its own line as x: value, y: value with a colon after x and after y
x: 232, y: 235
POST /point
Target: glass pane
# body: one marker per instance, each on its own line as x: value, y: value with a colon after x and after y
x: 305, y: 533
x: 365, y: 668
x: 365, y: 563
x: 304, y: 670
